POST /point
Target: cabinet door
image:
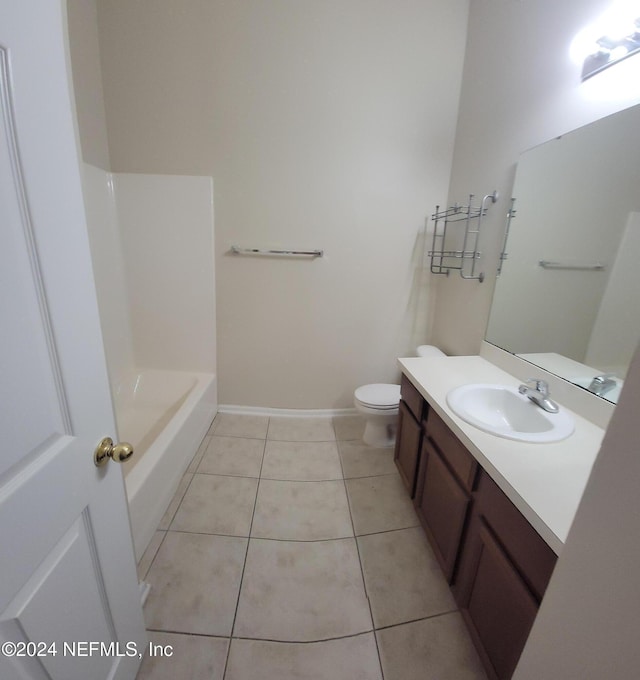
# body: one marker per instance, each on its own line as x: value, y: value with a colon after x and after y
x: 500, y: 609
x: 407, y: 453
x: 526, y: 550
x: 442, y: 508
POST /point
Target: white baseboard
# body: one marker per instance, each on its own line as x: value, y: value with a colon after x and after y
x: 295, y: 412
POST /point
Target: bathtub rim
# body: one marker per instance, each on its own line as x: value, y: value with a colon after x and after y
x: 152, y: 483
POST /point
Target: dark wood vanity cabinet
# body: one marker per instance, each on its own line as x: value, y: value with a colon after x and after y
x: 503, y: 572
x: 412, y: 410
x: 498, y: 566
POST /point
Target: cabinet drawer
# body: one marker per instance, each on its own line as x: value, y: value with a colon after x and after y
x: 407, y: 451
x: 442, y: 506
x: 527, y: 550
x: 461, y: 462
x: 412, y: 398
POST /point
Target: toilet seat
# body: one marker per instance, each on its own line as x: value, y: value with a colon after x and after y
x: 379, y: 404
x: 378, y: 396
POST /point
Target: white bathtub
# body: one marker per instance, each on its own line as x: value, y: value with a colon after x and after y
x: 164, y: 415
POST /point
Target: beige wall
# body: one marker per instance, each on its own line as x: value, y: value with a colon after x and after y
x: 325, y: 124
x: 82, y: 18
x: 520, y: 88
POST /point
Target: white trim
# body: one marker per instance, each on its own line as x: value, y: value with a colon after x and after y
x: 295, y: 412
x: 145, y: 589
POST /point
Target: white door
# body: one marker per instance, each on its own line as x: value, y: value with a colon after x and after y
x: 67, y: 571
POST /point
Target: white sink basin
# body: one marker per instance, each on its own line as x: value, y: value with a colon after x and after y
x: 504, y: 412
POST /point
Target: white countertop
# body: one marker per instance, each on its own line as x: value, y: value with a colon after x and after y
x: 544, y: 481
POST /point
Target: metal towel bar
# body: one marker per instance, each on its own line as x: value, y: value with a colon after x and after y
x: 591, y: 266
x: 258, y: 251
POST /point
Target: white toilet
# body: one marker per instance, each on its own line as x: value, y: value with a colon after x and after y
x: 378, y: 403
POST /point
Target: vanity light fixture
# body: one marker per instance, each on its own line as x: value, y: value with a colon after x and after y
x: 610, y: 50
x: 615, y: 36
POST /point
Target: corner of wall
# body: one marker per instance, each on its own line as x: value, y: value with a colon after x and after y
x: 84, y: 56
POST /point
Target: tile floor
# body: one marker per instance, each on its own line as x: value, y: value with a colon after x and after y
x: 292, y: 551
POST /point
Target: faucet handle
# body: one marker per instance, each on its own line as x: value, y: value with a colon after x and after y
x: 540, y: 385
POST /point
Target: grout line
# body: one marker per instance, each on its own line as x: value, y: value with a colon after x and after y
x: 375, y: 637
x: 246, y: 554
x: 259, y: 538
x: 153, y: 559
x: 222, y: 474
x: 386, y: 531
x: 422, y: 618
x: 297, y: 540
x: 182, y: 632
x: 173, y: 516
x: 395, y: 473
x: 206, y: 533
x: 364, y: 583
x: 200, y: 456
x: 383, y: 474
x: 307, y: 642
x: 389, y: 531
x: 272, y: 479
x: 300, y: 481
x: 212, y: 427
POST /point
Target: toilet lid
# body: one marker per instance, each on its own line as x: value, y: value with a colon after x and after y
x: 379, y: 395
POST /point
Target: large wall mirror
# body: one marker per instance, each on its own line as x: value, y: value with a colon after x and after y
x: 568, y: 295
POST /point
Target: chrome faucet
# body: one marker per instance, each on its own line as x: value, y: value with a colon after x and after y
x: 539, y: 394
x: 602, y: 384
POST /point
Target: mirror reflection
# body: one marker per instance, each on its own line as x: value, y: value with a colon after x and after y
x: 567, y: 298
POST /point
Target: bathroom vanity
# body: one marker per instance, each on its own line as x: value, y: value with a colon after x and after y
x: 496, y: 511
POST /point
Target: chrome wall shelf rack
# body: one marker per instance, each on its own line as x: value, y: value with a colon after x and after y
x: 446, y: 254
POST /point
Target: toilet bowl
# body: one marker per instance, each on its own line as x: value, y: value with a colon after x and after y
x: 378, y: 403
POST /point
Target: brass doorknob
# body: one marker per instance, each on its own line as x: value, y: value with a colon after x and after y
x: 107, y: 449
